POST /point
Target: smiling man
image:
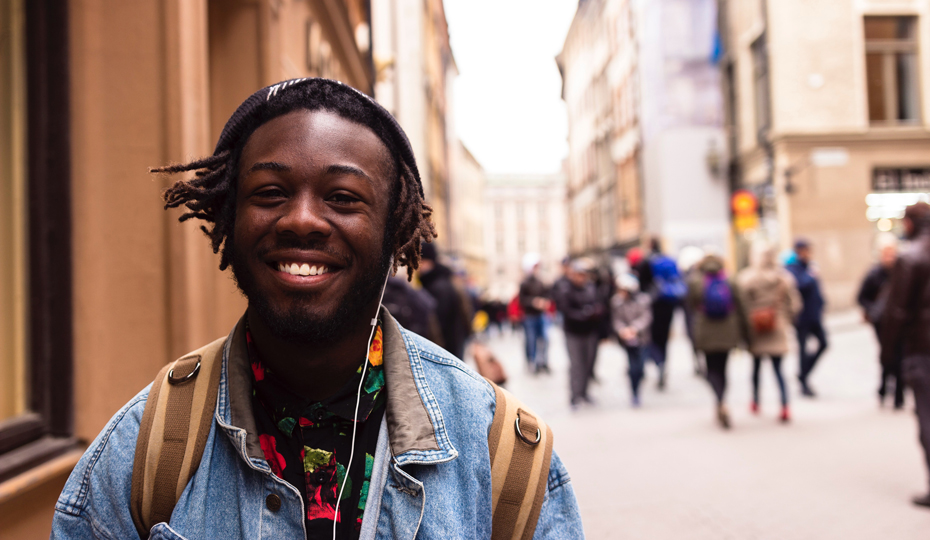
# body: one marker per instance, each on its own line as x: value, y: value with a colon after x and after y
x: 329, y: 419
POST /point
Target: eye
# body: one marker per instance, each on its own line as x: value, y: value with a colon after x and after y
x: 270, y: 193
x: 343, y: 198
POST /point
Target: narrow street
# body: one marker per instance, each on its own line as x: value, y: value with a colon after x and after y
x: 843, y: 468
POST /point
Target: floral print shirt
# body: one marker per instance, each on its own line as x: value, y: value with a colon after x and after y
x: 308, y: 443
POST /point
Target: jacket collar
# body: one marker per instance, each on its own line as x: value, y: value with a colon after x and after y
x: 413, y: 418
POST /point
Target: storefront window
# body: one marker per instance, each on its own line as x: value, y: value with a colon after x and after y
x: 13, y: 240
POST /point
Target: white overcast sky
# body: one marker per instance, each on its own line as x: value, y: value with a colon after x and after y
x: 508, y: 109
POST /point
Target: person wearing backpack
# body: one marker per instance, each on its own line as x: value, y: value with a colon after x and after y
x: 716, y: 305
x: 317, y: 415
x: 771, y: 301
x: 666, y: 286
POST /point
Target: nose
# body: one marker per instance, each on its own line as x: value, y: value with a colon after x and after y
x: 304, y: 216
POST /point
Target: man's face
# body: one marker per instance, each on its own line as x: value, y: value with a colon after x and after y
x: 887, y: 255
x: 804, y: 254
x: 579, y: 278
x: 312, y: 198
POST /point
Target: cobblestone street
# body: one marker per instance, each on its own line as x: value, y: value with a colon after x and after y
x: 843, y: 468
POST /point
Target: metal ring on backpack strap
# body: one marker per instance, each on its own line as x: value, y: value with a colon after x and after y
x: 181, y: 380
x: 516, y: 426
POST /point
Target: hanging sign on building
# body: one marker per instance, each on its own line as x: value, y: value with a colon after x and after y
x: 745, y: 207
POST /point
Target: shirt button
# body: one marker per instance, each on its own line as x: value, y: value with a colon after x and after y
x: 273, y: 502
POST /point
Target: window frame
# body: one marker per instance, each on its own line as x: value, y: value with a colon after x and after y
x: 888, y: 48
x: 46, y: 431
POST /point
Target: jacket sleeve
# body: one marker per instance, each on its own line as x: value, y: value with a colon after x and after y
x: 644, y: 320
x: 95, y: 501
x: 792, y: 296
x: 868, y: 291
x: 695, y: 293
x: 559, y: 517
x: 900, y: 284
x: 526, y: 299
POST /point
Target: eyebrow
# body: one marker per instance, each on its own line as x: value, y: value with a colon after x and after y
x: 348, y: 169
x: 268, y: 166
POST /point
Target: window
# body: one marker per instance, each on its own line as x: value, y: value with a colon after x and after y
x: 891, y: 70
x: 760, y: 70
x: 35, y: 235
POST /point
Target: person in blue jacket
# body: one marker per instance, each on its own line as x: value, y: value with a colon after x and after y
x: 810, y: 321
x: 331, y: 420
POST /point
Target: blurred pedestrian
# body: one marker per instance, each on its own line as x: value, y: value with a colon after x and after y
x: 715, y: 303
x: 452, y: 307
x: 873, y: 299
x: 906, y: 319
x: 582, y: 310
x: 770, y: 301
x: 631, y: 315
x: 810, y: 320
x: 534, y: 297
x: 414, y: 309
x: 605, y: 285
x: 688, y: 259
x: 668, y: 290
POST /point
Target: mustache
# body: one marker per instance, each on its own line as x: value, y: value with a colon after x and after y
x: 318, y: 246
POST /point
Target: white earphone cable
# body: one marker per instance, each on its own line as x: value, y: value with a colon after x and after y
x: 358, y: 397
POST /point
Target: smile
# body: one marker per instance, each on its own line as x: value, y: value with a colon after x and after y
x: 298, y: 269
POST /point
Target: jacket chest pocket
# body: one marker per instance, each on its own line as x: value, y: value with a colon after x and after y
x: 163, y: 531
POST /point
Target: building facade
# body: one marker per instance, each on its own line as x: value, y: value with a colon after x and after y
x: 829, y: 119
x: 642, y: 92
x: 523, y: 215
x: 467, y: 216
x: 415, y: 71
x: 682, y: 124
x: 600, y: 88
x: 99, y: 286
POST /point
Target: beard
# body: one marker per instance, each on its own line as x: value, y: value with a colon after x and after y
x: 300, y: 323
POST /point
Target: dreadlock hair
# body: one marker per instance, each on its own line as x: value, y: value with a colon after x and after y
x: 211, y: 194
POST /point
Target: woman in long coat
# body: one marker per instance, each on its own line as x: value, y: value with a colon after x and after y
x: 717, y: 324
x: 771, y: 302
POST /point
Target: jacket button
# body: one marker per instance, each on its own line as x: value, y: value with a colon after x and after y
x: 273, y: 502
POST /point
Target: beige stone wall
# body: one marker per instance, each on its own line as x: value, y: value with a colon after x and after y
x: 819, y: 101
x: 828, y: 204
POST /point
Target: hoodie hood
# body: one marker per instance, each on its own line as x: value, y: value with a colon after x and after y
x: 711, y: 264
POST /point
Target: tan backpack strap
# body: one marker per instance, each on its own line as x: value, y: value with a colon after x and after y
x: 173, y: 434
x: 520, y: 445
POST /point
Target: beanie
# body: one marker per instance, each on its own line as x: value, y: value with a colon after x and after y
x: 253, y: 112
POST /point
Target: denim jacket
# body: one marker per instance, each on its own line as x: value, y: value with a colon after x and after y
x: 431, y: 475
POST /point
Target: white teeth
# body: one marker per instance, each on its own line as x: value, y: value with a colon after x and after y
x: 304, y: 269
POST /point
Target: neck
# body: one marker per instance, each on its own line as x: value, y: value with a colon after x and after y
x: 318, y: 370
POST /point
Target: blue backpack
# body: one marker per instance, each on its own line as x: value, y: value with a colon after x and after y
x: 718, y: 297
x: 668, y: 283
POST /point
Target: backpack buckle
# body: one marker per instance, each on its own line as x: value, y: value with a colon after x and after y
x: 181, y: 380
x: 520, y: 434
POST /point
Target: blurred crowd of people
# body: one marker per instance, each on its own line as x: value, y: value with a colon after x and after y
x: 760, y: 309
x: 754, y: 309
